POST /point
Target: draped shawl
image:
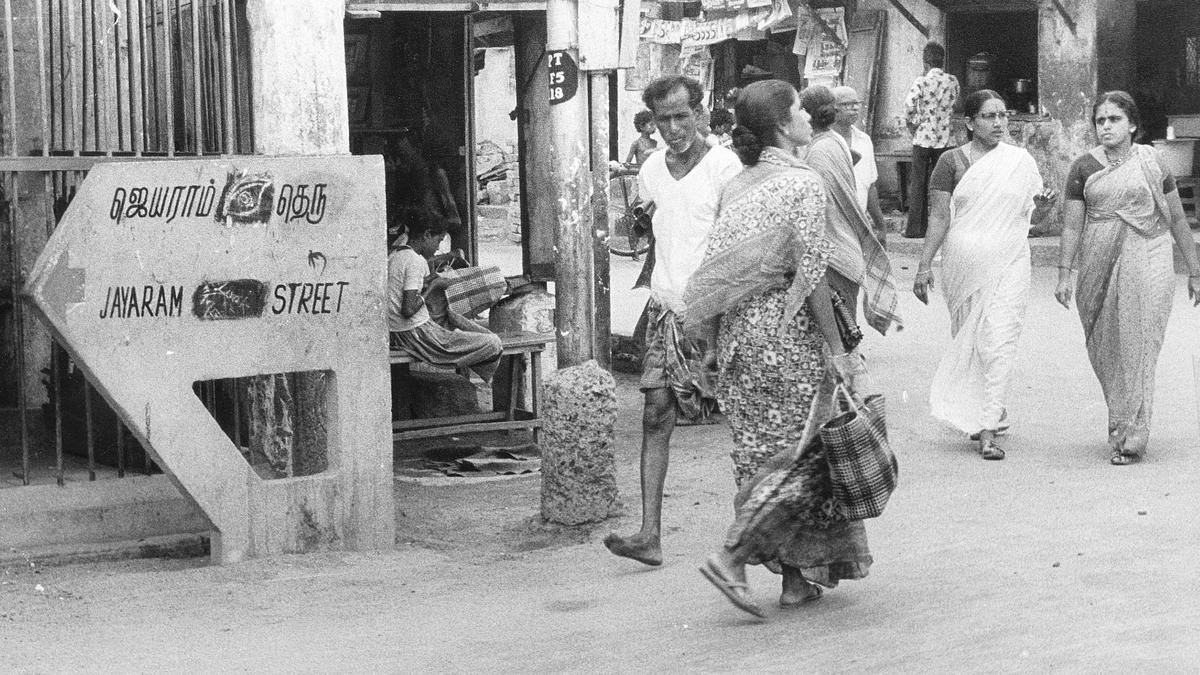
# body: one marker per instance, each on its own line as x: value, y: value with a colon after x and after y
x: 768, y: 259
x: 847, y: 222
x: 989, y: 212
x: 1109, y: 199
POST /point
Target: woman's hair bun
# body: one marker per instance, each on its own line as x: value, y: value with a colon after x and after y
x: 747, y: 145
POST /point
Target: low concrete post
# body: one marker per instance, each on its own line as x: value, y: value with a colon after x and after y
x: 579, y: 410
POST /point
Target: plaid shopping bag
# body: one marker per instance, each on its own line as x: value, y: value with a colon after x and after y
x: 474, y: 289
x: 862, y: 466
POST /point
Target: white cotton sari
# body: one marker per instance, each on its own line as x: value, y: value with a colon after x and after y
x: 985, y: 278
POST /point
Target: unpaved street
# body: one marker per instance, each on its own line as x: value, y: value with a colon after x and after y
x: 1050, y: 561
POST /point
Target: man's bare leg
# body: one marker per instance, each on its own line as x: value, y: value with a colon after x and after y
x: 658, y: 422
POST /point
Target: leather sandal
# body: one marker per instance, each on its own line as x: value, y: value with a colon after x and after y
x: 1121, y: 459
x: 991, y: 451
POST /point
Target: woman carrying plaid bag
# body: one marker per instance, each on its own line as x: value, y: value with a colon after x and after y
x: 761, y: 297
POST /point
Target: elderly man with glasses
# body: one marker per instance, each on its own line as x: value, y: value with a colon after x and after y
x: 862, y: 151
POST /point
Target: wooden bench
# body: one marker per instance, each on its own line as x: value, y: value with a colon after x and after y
x: 523, y: 347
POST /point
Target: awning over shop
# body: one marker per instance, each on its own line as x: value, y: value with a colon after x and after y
x: 366, y: 8
x: 984, y: 5
x: 722, y: 20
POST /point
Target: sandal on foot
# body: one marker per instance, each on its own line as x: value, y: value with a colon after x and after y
x: 1121, y: 459
x: 813, y: 596
x: 735, y: 591
x: 992, y: 451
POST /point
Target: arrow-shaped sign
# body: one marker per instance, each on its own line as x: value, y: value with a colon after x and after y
x: 162, y: 274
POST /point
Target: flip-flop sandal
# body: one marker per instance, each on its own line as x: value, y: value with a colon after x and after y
x: 992, y: 451
x: 1121, y: 459
x: 730, y: 589
x: 811, y: 597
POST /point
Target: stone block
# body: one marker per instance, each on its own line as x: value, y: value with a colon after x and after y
x: 531, y: 311
x: 579, y: 410
x: 440, y: 393
x: 499, y: 192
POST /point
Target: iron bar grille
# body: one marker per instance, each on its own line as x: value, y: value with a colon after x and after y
x: 83, y: 81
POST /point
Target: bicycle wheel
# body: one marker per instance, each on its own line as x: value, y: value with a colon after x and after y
x: 623, y: 240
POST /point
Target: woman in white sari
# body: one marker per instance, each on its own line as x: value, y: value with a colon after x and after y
x: 984, y: 196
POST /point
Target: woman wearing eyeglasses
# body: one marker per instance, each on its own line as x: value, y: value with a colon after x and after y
x: 1121, y: 203
x: 984, y: 197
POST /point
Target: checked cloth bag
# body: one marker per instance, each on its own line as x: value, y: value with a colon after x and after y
x: 862, y: 466
x: 474, y: 289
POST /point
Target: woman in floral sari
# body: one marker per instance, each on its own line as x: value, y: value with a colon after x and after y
x: 984, y: 196
x: 761, y: 293
x: 1121, y: 205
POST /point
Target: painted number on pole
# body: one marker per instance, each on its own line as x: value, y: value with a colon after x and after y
x: 564, y: 77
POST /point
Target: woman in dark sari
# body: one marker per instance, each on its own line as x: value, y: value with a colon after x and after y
x: 761, y: 297
x: 1121, y: 204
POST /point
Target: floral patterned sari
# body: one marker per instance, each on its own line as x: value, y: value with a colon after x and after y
x: 772, y: 382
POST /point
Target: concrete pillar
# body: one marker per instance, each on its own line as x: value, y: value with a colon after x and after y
x: 579, y: 483
x: 1067, y: 83
x: 600, y: 230
x: 570, y: 156
x: 1067, y: 67
x: 299, y: 103
x: 299, y: 84
x: 34, y: 216
x: 539, y: 206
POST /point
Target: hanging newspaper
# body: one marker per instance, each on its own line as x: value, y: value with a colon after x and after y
x: 825, y: 58
x: 696, y: 32
x: 655, y: 61
x: 696, y: 63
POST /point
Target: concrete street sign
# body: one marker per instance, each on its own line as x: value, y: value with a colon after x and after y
x: 162, y: 274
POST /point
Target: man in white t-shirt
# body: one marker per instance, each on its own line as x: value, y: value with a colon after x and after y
x: 684, y: 181
x: 863, y: 151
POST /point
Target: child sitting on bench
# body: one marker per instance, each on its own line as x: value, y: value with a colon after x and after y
x: 410, y: 282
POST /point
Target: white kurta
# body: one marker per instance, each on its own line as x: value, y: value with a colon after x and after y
x: 865, y: 170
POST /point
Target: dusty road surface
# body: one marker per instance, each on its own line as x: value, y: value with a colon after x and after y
x: 1050, y: 561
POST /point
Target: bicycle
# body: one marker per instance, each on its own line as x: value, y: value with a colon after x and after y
x: 628, y: 218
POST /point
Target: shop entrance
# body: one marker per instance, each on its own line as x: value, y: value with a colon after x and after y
x: 408, y: 80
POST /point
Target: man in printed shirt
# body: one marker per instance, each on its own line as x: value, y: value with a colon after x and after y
x: 930, y: 101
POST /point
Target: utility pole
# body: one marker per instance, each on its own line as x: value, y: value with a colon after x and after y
x: 600, y: 230
x: 574, y: 290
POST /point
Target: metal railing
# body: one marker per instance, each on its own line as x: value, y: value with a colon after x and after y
x: 83, y: 81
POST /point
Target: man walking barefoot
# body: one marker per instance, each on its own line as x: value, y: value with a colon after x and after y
x: 683, y: 181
